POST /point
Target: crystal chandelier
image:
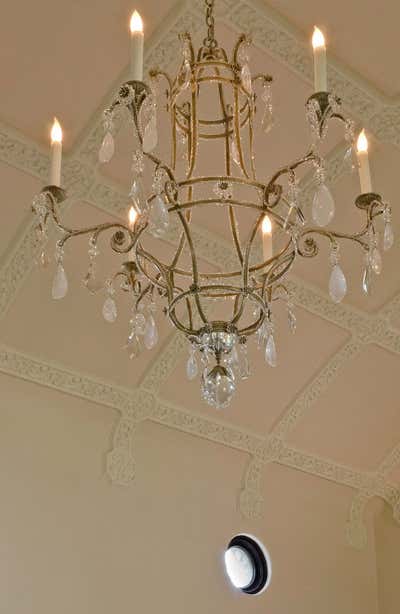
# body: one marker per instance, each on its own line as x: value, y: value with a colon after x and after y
x: 219, y: 311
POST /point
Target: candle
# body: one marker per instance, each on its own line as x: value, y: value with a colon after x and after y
x: 363, y: 163
x: 137, y: 39
x: 56, y: 154
x: 266, y: 228
x: 320, y: 74
x: 132, y: 217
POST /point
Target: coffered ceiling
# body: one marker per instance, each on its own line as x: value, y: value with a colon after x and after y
x: 320, y: 434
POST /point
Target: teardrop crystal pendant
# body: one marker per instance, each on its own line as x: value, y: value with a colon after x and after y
x: 158, y: 217
x: 150, y: 137
x: 323, y: 208
x: 137, y: 195
x: 133, y: 346
x: 110, y: 310
x: 107, y: 148
x: 150, y: 333
x: 271, y: 357
x: 376, y: 261
x: 192, y: 367
x: 267, y: 122
x: 337, y: 284
x: 388, y: 237
x: 367, y: 280
x: 60, y: 283
x: 246, y: 78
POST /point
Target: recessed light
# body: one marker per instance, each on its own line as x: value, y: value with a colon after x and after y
x: 247, y: 564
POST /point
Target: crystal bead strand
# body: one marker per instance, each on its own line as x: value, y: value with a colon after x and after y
x: 267, y: 121
x: 90, y: 278
x: 107, y: 148
x: 388, y: 234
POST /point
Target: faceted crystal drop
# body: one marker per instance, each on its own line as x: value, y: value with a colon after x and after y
x: 366, y: 282
x: 376, y: 261
x: 323, y: 208
x: 134, y: 346
x: 150, y: 333
x: 224, y: 391
x: 235, y: 152
x: 137, y: 195
x: 246, y: 78
x: 388, y: 237
x: 191, y: 367
x: 270, y: 352
x: 268, y: 120
x: 92, y: 284
x: 107, y: 148
x: 159, y: 217
x: 110, y: 310
x: 150, y: 137
x: 337, y: 284
x: 139, y: 322
x: 60, y: 283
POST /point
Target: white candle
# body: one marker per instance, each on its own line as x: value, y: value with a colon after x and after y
x: 56, y: 154
x: 363, y: 163
x: 137, y: 40
x: 320, y: 71
x: 266, y: 229
x: 132, y: 217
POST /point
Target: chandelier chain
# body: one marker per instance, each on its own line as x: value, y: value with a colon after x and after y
x: 210, y: 41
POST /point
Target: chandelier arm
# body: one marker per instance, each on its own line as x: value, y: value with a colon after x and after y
x: 309, y: 157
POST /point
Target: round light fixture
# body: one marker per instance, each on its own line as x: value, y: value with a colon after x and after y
x: 247, y: 564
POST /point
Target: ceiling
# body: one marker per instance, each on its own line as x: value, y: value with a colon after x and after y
x: 306, y: 454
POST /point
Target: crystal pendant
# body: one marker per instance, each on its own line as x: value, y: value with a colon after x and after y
x: 150, y: 333
x: 388, y: 237
x: 159, y: 217
x: 243, y: 362
x: 192, y: 367
x: 268, y: 120
x: 44, y: 260
x: 367, y: 279
x: 186, y: 75
x: 376, y: 261
x: 60, y: 283
x: 107, y: 148
x: 292, y: 321
x: 235, y: 152
x: 110, y: 310
x: 150, y: 137
x: 139, y: 323
x: 348, y: 161
x: 219, y: 387
x: 246, y: 78
x: 137, y: 195
x: 270, y: 352
x: 134, y: 346
x: 323, y: 208
x: 337, y: 284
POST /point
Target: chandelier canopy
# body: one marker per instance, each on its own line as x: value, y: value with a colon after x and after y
x: 215, y: 103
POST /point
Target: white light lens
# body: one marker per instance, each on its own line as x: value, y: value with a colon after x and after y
x: 239, y: 567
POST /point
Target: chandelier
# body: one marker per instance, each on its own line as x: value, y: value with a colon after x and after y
x: 214, y: 102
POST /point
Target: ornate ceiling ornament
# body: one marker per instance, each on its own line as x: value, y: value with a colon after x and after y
x: 214, y: 102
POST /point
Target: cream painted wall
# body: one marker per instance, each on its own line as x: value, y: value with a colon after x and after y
x: 387, y: 539
x: 70, y: 542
